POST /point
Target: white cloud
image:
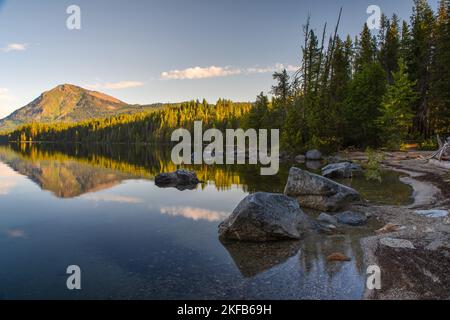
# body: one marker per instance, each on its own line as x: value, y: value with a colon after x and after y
x: 195, y: 213
x: 200, y: 73
x: 15, y: 47
x: 215, y: 72
x: 112, y: 198
x: 115, y: 85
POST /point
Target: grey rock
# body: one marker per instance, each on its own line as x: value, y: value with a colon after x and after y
x: 180, y: 179
x: 433, y: 213
x: 351, y: 218
x: 264, y: 217
x: 397, y: 243
x: 326, y: 218
x: 316, y: 192
x: 340, y: 170
x: 313, y: 155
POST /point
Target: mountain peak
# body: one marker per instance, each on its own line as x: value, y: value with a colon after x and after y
x: 67, y: 86
x: 65, y: 103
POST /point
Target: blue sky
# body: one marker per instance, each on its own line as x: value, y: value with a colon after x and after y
x: 162, y: 50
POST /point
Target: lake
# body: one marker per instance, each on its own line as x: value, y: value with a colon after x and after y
x: 98, y: 207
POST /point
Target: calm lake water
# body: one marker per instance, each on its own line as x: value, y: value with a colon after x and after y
x: 99, y: 208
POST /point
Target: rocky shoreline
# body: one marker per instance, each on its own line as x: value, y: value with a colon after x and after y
x: 409, y: 243
x: 412, y: 250
x: 420, y: 271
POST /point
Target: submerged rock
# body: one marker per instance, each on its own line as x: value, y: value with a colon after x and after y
x: 313, y: 155
x: 341, y: 170
x: 338, y: 257
x: 316, y: 192
x: 326, y: 218
x: 180, y: 179
x: 327, y: 228
x: 351, y: 218
x: 253, y: 258
x: 264, y: 217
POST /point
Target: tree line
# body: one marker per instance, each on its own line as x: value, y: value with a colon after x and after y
x: 378, y: 89
x: 145, y: 127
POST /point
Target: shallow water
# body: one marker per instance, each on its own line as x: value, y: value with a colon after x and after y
x: 98, y: 208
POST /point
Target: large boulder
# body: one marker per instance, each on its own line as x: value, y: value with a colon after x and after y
x: 313, y: 155
x: 340, y: 170
x: 316, y: 192
x: 180, y: 179
x: 264, y: 217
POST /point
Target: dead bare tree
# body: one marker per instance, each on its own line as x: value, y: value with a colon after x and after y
x: 444, y: 149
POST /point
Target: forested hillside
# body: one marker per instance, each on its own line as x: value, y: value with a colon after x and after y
x: 144, y: 127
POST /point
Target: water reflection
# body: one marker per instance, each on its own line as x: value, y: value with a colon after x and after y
x: 135, y: 240
x: 72, y: 170
x: 195, y: 213
x: 8, y: 180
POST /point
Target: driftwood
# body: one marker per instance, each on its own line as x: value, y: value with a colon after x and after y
x: 440, y: 142
x: 444, y: 149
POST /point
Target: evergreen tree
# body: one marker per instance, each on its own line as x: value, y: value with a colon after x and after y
x: 422, y: 22
x: 366, y: 49
x: 396, y: 113
x: 256, y: 118
x: 282, y: 96
x: 389, y: 48
x: 362, y: 106
x: 405, y: 50
x: 439, y: 113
